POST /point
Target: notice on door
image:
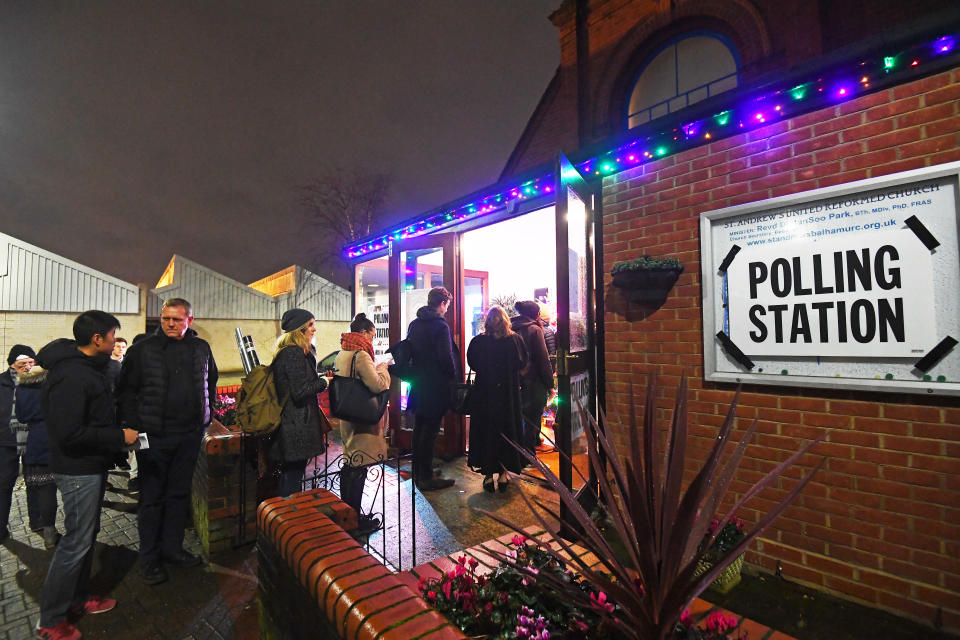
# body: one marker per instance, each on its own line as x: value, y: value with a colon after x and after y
x: 867, y: 294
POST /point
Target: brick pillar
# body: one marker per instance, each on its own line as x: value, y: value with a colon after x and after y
x: 224, y: 491
x: 318, y: 582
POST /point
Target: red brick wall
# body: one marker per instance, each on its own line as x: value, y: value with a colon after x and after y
x: 769, y: 35
x: 881, y: 523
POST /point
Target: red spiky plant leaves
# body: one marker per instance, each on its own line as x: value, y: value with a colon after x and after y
x: 659, y: 525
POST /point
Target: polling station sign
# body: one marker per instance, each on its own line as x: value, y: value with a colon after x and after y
x: 854, y: 285
x: 860, y: 294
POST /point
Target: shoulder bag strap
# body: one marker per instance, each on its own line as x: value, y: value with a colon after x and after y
x: 353, y: 365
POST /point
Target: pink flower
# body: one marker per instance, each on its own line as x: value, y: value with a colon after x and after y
x: 685, y: 618
x: 462, y: 560
x: 488, y: 608
x: 446, y: 589
x: 719, y: 622
x: 518, y: 540
x: 474, y: 563
x: 431, y: 594
x: 580, y: 626
x: 600, y: 602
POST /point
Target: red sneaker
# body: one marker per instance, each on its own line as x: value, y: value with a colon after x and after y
x: 95, y: 605
x: 61, y: 631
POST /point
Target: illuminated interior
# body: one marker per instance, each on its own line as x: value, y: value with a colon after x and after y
x: 518, y: 258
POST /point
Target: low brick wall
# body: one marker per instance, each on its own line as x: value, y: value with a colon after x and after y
x: 316, y: 581
x: 224, y: 493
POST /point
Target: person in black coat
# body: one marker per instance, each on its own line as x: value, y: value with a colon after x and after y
x: 166, y: 388
x: 84, y: 441
x: 497, y: 356
x: 537, y: 380
x: 435, y: 371
x: 20, y: 360
x: 41, y: 488
x: 300, y: 435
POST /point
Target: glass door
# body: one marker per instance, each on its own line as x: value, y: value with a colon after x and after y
x: 576, y: 351
x: 417, y: 265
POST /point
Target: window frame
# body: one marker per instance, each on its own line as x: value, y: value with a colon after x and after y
x: 674, y: 42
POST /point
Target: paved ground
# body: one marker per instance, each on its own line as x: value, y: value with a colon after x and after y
x: 219, y: 600
x: 215, y: 601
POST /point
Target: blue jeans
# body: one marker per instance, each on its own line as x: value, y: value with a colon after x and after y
x: 68, y: 580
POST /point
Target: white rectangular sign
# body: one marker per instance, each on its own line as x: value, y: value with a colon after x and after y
x: 855, y: 285
x: 863, y: 294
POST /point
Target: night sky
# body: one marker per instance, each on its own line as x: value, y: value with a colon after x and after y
x: 130, y: 131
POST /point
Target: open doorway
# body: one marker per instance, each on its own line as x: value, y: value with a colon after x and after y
x: 518, y: 259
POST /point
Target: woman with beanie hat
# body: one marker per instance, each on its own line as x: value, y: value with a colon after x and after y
x: 12, y: 436
x: 537, y: 379
x: 300, y: 435
x: 363, y: 444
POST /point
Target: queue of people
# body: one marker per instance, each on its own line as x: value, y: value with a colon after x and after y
x: 75, y: 409
x: 91, y: 402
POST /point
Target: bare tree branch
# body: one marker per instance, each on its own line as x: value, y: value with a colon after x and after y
x: 340, y: 206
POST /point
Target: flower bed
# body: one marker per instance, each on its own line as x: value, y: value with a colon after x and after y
x: 702, y: 621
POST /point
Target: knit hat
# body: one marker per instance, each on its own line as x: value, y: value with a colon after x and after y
x: 20, y: 350
x: 528, y: 308
x: 294, y: 319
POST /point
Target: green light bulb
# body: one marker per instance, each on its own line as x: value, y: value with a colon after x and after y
x: 661, y: 151
x: 798, y: 92
x: 889, y: 62
x: 722, y: 118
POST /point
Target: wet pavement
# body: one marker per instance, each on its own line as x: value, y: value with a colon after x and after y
x: 218, y: 600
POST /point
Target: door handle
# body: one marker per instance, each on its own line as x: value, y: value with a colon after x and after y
x: 563, y: 356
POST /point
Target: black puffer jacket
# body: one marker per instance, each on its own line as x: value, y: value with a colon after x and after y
x: 300, y: 435
x: 81, y: 414
x: 7, y: 386
x: 141, y: 387
x: 434, y: 363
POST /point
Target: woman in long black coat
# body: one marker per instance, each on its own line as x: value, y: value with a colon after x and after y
x: 497, y: 356
x: 300, y: 435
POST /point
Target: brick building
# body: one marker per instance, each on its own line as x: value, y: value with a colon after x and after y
x: 741, y: 103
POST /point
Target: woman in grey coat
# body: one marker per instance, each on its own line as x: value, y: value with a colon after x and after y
x: 300, y: 435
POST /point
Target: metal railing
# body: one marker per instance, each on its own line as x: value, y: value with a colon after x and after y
x: 389, y: 490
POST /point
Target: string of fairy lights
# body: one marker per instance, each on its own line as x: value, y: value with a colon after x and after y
x: 781, y: 103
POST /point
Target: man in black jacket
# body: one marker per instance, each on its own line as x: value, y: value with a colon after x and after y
x: 536, y: 380
x: 166, y: 388
x: 435, y: 370
x: 20, y: 361
x: 84, y: 440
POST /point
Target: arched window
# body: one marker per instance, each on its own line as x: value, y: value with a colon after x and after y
x: 687, y: 70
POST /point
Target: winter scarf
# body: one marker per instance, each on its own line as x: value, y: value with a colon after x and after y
x: 356, y: 342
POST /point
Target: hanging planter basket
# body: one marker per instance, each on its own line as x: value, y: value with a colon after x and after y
x: 647, y: 280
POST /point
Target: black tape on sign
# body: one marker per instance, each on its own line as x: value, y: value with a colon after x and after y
x: 936, y: 354
x: 734, y: 250
x: 730, y: 347
x: 922, y: 232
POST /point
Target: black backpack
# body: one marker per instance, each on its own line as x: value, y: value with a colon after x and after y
x: 402, y: 366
